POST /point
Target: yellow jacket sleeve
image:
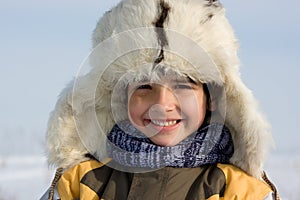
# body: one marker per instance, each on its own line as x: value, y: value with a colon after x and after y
x: 240, y: 186
x: 69, y: 186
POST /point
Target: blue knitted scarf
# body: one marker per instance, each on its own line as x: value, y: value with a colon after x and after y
x: 208, y: 145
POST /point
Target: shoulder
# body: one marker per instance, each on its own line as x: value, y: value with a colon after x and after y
x: 228, y: 182
x: 83, y: 168
x: 74, y: 181
x: 240, y: 185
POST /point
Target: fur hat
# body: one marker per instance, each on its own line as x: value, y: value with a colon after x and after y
x: 191, y: 37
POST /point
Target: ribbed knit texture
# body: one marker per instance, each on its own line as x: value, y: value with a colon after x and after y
x: 208, y: 145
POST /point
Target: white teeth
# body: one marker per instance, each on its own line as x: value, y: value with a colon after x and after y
x: 164, y: 123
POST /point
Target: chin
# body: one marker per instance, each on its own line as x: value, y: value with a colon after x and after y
x: 164, y: 143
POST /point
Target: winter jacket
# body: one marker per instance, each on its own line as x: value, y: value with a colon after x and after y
x: 92, y: 180
x: 190, y: 36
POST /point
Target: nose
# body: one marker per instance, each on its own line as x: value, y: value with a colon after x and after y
x: 165, y: 99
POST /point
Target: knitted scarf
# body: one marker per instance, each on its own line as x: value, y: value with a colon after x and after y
x: 208, y: 145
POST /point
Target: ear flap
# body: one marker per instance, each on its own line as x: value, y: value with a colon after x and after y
x: 212, y: 105
x: 250, y: 131
x: 214, y: 95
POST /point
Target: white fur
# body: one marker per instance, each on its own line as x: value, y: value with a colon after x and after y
x: 208, y: 52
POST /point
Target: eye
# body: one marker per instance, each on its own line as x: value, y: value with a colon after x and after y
x: 144, y: 87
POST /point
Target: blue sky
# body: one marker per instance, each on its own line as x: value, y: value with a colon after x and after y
x: 43, y: 44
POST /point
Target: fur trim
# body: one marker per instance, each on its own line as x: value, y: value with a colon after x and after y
x: 192, y: 37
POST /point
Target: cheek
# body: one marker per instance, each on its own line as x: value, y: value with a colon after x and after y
x: 135, y: 110
x: 132, y: 108
x: 202, y: 105
x: 194, y: 107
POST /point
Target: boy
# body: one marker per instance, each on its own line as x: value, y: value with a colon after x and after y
x: 161, y: 112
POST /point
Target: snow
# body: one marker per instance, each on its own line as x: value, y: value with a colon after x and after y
x: 28, y: 177
x: 284, y: 171
x: 23, y: 177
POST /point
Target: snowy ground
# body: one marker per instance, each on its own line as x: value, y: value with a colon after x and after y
x: 284, y: 171
x: 27, y: 177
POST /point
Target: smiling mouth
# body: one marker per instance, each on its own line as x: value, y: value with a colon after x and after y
x: 163, y: 123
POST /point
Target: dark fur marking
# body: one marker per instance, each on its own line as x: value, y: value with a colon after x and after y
x: 159, y: 58
x: 159, y: 24
x: 207, y: 19
x: 214, y: 3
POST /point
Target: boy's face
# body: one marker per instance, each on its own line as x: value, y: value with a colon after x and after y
x: 167, y: 111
